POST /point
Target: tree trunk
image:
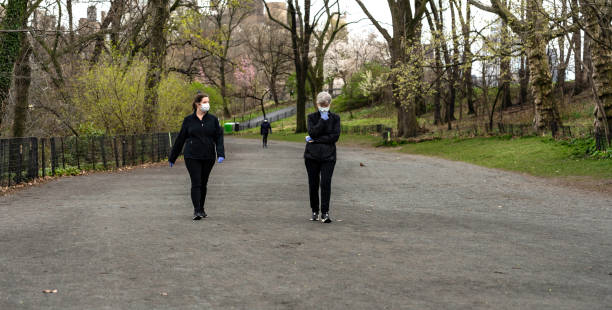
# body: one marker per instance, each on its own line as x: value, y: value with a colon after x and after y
x: 504, y: 66
x: 273, y: 90
x: 524, y: 70
x: 10, y: 43
x: 601, y: 56
x: 226, y: 111
x: 587, y: 62
x: 419, y: 101
x: 23, y: 74
x: 546, y: 110
x: 157, y: 53
x: 467, y: 61
x: 578, y: 71
x: 438, y: 95
x: 406, y: 119
x: 561, y: 67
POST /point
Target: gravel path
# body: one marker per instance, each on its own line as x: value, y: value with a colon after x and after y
x: 411, y: 232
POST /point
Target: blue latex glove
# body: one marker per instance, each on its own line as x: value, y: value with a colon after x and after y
x: 171, y: 164
x: 325, y: 115
x: 308, y: 139
x: 221, y: 159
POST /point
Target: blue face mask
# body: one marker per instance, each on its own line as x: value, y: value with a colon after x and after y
x: 323, y: 109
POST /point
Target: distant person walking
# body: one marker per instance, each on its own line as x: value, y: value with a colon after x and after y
x: 320, y: 156
x: 265, y: 129
x: 203, y: 137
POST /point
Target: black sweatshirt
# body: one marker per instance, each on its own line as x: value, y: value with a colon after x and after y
x: 325, y: 134
x: 201, y: 137
x: 265, y: 128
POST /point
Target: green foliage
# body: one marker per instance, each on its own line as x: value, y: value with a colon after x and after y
x: 111, y: 99
x: 70, y: 170
x: 583, y: 148
x: 534, y: 155
x: 345, y: 103
x: 353, y: 96
x: 88, y: 129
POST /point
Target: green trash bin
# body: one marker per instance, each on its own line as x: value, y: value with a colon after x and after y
x: 229, y: 127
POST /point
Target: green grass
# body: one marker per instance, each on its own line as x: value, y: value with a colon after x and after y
x: 345, y: 139
x: 533, y: 155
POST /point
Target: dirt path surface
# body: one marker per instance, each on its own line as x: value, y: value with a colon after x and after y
x: 411, y: 232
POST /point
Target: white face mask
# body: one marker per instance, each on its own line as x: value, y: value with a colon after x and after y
x: 323, y: 109
x: 204, y: 107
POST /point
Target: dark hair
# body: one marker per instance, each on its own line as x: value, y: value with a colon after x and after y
x: 197, y: 99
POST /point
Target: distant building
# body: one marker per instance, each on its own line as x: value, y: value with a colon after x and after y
x: 90, y: 24
x: 42, y: 21
x: 279, y: 11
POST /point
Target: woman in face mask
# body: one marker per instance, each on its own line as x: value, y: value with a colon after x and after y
x: 320, y: 155
x: 203, y: 137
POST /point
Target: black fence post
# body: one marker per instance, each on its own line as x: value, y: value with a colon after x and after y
x: 18, y: 175
x: 63, y: 156
x: 34, y: 158
x: 158, y: 147
x: 92, y: 146
x: 142, y: 149
x: 133, y: 150
x: 103, y: 152
x: 123, y: 151
x: 116, y: 151
x: 42, y: 140
x: 53, y: 157
x: 152, y: 149
x: 76, y: 143
x: 2, y: 148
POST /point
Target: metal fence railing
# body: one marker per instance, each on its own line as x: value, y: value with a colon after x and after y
x: 24, y: 159
x: 517, y: 130
x: 271, y: 117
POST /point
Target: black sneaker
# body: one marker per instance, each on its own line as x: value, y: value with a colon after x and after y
x: 315, y: 216
x: 199, y: 215
x: 325, y: 218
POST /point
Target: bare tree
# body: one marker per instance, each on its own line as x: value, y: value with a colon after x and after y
x: 301, y: 28
x: 467, y: 57
x: 598, y: 27
x: 406, y: 21
x: 537, y: 34
x: 324, y: 38
x: 269, y: 43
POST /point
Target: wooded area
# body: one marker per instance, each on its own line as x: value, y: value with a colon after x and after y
x: 135, y: 67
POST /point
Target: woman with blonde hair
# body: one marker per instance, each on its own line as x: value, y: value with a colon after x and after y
x: 320, y: 155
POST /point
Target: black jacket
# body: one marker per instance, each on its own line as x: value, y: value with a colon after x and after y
x: 325, y: 134
x: 201, y: 137
x: 265, y: 128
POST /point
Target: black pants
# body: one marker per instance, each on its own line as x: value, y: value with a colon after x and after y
x: 199, y: 170
x: 319, y: 174
x: 265, y: 139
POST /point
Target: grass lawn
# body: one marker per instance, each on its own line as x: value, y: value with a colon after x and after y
x: 538, y: 156
x: 345, y: 139
x: 533, y: 155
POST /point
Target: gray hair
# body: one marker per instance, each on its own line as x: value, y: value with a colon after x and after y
x: 324, y: 97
